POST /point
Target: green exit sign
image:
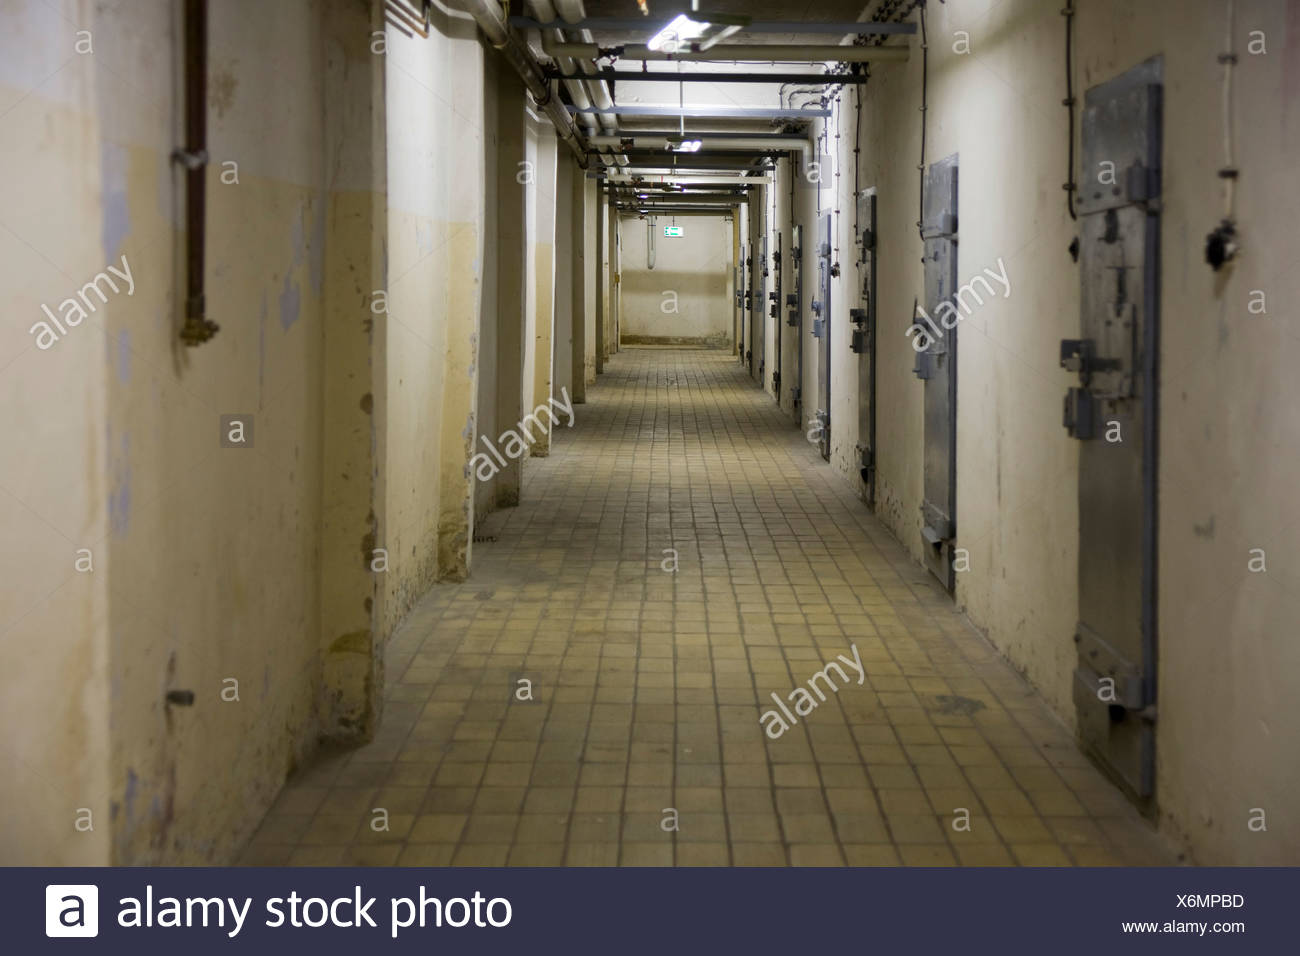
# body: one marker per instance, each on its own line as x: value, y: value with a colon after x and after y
x: 672, y: 232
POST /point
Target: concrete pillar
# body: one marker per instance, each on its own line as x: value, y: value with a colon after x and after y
x: 590, y: 272
x: 602, y: 285
x: 611, y: 313
x: 354, y: 358
x: 511, y: 273
x: 544, y: 280
x: 461, y: 369
x: 567, y: 240
x: 573, y: 225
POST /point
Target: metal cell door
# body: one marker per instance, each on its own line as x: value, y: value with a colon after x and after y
x: 937, y: 366
x: 863, y: 341
x: 1113, y: 412
x: 794, y: 318
x: 742, y: 293
x: 774, y: 311
x: 760, y: 310
x: 821, y: 307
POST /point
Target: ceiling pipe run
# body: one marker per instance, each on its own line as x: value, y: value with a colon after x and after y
x: 728, y: 52
x: 793, y: 143
x: 544, y: 11
x: 598, y: 93
x: 487, y: 14
x: 659, y: 179
x: 719, y: 112
x: 830, y: 27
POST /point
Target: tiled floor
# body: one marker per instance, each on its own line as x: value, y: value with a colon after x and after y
x: 648, y: 682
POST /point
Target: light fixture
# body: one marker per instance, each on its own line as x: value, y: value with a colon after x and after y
x: 686, y: 146
x: 679, y: 32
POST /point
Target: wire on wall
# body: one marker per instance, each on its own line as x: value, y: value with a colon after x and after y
x: 857, y: 157
x: 1221, y: 244
x: 925, y: 82
x: 1070, y: 186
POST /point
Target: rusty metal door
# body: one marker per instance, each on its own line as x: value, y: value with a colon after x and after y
x: 937, y: 367
x: 821, y: 307
x: 863, y: 341
x: 1113, y: 412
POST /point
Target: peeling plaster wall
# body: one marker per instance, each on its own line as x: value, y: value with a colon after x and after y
x: 212, y: 553
x: 1228, y: 731
x: 211, y: 564
x: 696, y: 268
x: 56, y: 489
x: 215, y: 562
x: 567, y: 263
x: 434, y: 235
x: 537, y: 381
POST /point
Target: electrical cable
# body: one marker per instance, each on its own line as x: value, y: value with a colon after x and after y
x: 925, y: 83
x: 1229, y: 171
x: 1070, y: 187
x: 1221, y: 243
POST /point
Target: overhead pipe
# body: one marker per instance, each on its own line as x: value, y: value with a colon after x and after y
x: 720, y: 112
x: 597, y: 91
x: 822, y: 79
x: 414, y: 22
x: 487, y: 14
x: 830, y: 27
x: 545, y: 12
x: 767, y: 53
x: 660, y: 179
x: 756, y: 144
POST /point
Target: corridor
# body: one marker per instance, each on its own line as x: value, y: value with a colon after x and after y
x: 650, y: 433
x: 647, y: 683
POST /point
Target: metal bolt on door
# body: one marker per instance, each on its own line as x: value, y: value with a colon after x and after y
x: 863, y: 341
x: 821, y: 307
x: 1113, y: 412
x: 937, y: 367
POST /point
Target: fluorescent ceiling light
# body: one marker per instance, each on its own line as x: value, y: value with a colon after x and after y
x: 681, y: 31
x: 687, y: 146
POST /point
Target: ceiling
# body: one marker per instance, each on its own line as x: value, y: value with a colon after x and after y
x: 662, y: 11
x: 705, y: 97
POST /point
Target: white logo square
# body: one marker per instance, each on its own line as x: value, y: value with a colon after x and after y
x: 71, y: 910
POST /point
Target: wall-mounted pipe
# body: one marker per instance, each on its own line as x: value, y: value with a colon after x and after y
x: 488, y: 15
x: 197, y: 328
x: 650, y: 244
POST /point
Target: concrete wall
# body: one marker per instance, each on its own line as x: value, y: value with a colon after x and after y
x: 346, y: 207
x: 435, y: 200
x: 1228, y: 730
x: 539, y: 365
x: 207, y: 560
x: 685, y: 299
x: 54, y: 692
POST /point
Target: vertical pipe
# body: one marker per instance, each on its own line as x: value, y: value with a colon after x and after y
x: 197, y: 329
